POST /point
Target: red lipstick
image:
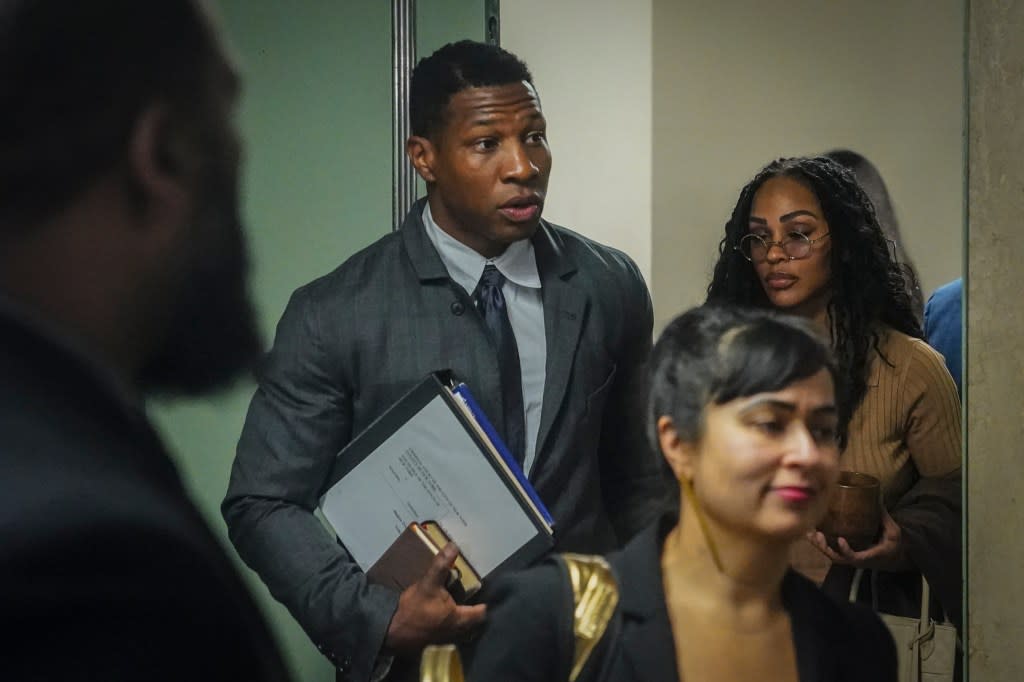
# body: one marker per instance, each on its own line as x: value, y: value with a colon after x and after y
x: 795, y: 493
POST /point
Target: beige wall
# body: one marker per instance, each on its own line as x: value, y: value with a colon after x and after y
x: 660, y: 110
x: 591, y: 60
x: 740, y: 82
x: 995, y: 365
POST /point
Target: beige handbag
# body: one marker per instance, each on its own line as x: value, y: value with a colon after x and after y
x: 925, y: 649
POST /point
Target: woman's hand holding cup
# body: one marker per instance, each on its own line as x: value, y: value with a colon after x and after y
x: 885, y: 555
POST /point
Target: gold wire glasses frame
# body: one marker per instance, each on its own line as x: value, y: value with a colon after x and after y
x: 795, y: 245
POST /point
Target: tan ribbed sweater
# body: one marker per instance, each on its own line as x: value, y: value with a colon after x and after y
x: 907, y: 426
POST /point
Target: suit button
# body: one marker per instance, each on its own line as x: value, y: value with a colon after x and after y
x: 458, y: 308
x: 345, y: 665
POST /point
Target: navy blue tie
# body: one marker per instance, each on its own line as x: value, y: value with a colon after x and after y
x: 491, y: 303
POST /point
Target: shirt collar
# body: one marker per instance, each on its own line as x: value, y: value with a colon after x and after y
x: 518, y: 263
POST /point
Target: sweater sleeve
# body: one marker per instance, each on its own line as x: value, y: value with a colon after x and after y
x: 933, y: 413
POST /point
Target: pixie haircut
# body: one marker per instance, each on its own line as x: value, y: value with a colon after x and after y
x: 452, y: 69
x: 714, y: 354
x: 74, y: 77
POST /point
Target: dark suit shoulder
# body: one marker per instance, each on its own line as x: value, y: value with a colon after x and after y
x: 595, y: 256
x: 854, y: 638
x: 615, y: 284
x: 110, y: 554
x: 545, y: 581
x: 319, y: 316
x: 371, y: 263
x: 528, y: 632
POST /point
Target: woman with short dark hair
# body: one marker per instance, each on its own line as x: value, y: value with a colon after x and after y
x: 742, y: 406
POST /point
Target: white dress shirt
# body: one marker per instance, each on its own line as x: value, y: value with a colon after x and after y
x: 522, y: 291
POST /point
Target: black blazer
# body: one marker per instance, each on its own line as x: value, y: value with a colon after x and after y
x: 352, y: 342
x: 107, y: 570
x: 529, y: 637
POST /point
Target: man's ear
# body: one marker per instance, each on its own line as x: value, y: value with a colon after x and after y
x: 161, y: 163
x: 421, y: 153
x: 678, y: 453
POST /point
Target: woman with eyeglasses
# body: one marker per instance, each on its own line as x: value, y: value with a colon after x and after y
x: 803, y: 238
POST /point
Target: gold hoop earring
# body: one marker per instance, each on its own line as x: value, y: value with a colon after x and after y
x: 691, y: 495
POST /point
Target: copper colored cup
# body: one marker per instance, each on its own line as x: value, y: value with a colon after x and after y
x: 854, y: 512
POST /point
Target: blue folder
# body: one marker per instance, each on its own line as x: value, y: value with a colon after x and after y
x: 463, y: 392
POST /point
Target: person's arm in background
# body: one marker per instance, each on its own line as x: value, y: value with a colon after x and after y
x: 943, y: 326
x: 930, y: 514
x: 632, y: 476
x: 933, y: 415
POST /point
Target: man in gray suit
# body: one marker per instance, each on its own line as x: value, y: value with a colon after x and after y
x: 551, y: 331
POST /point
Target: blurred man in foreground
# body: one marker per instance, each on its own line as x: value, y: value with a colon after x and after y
x: 122, y: 273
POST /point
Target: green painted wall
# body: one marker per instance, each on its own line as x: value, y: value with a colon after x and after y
x: 316, y: 118
x: 446, y: 21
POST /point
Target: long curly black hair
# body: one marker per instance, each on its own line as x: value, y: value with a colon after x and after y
x: 874, y: 186
x: 869, y: 288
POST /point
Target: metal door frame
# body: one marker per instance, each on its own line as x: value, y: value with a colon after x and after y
x: 403, y: 59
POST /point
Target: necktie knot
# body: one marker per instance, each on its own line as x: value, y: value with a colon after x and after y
x: 492, y: 277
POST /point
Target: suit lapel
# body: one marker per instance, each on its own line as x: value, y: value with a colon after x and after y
x: 646, y: 645
x: 564, y: 309
x: 810, y: 632
x: 423, y: 257
x: 649, y: 650
x: 430, y: 271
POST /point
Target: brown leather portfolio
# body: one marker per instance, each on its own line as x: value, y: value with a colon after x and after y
x: 410, y: 555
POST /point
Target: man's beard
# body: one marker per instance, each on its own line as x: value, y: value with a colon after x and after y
x: 212, y: 336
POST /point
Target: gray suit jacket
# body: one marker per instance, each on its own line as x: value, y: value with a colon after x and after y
x: 352, y: 342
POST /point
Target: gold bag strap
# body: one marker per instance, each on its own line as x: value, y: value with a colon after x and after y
x: 595, y: 594
x: 441, y: 663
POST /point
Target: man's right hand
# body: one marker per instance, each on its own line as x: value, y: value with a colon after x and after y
x: 427, y: 614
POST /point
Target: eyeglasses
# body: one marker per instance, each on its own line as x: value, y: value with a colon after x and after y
x: 795, y: 245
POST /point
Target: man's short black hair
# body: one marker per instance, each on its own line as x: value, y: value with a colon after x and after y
x: 453, y: 68
x: 74, y: 77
